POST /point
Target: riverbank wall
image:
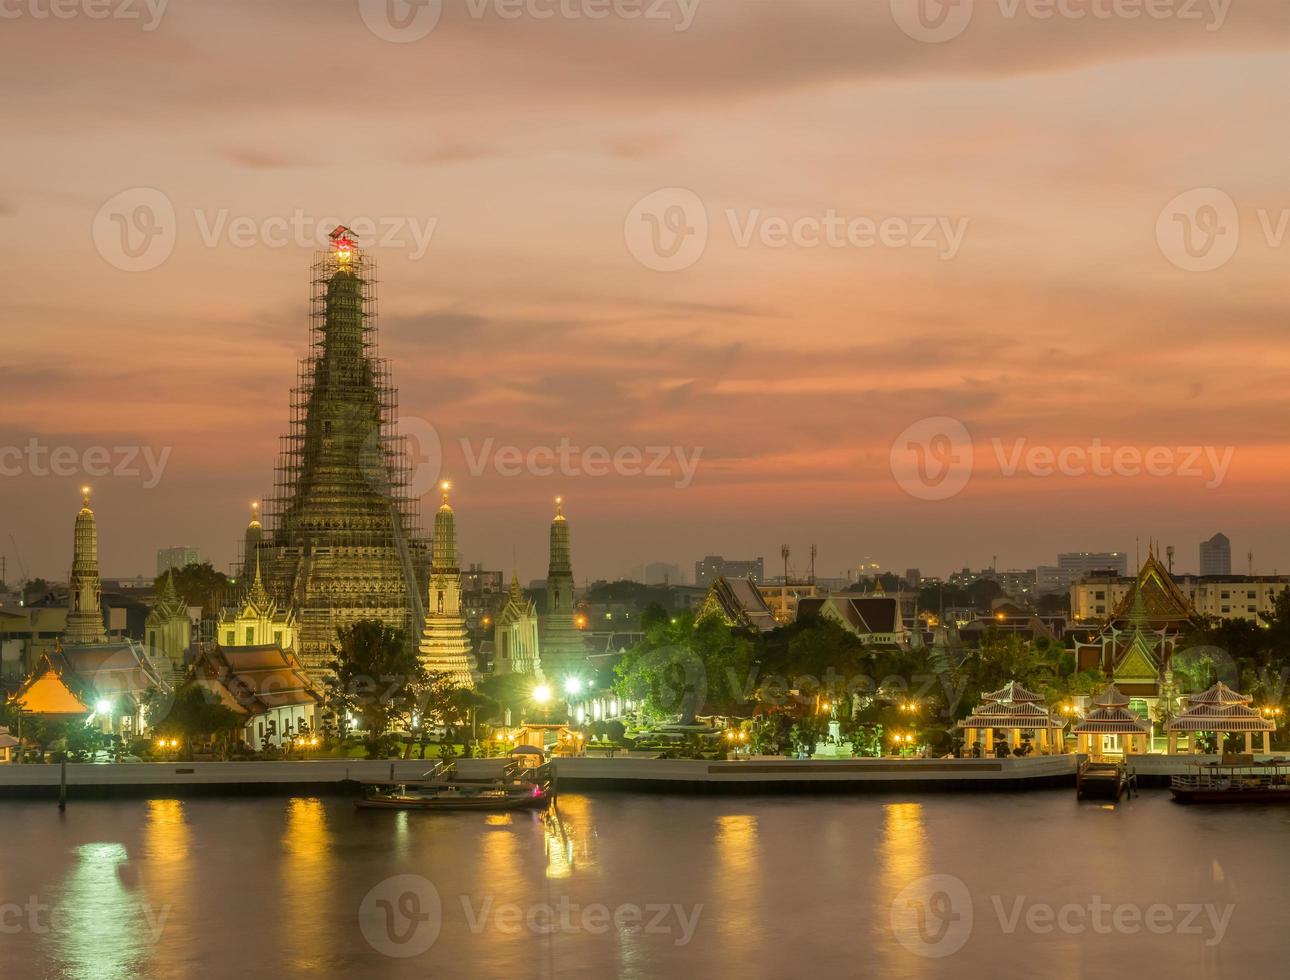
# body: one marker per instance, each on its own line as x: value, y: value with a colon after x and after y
x: 755, y: 776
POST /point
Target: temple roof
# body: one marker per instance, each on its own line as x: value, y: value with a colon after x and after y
x: 251, y: 680
x: 737, y: 602
x: 1111, y: 697
x: 1014, y: 692
x: 1154, y: 599
x: 1112, y: 720
x: 1220, y: 694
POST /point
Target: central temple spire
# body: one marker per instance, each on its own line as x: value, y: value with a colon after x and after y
x: 341, y: 541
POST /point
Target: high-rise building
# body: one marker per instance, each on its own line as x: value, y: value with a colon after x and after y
x: 1216, y: 555
x: 179, y: 557
x: 1074, y: 565
x: 564, y: 655
x: 84, y: 590
x: 483, y: 593
x: 341, y: 540
x: 445, y: 644
x: 713, y: 567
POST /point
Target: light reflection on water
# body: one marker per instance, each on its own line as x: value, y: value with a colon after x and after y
x: 789, y: 888
x: 307, y: 881
x: 101, y: 931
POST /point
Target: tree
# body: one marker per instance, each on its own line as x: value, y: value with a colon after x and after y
x: 376, y: 675
x: 193, y: 716
x: 198, y: 584
x: 36, y: 588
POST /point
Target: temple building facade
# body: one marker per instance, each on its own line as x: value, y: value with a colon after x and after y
x: 564, y: 654
x: 515, y: 635
x: 258, y: 620
x: 1133, y: 650
x: 108, y: 683
x: 445, y: 644
x: 266, y: 687
x: 341, y: 540
x: 168, y: 631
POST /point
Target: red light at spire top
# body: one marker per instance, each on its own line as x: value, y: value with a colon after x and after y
x: 342, y: 242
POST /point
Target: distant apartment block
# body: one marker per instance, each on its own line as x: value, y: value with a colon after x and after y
x: 1223, y: 597
x: 180, y: 557
x: 1216, y: 555
x: 713, y: 567
x: 1076, y: 564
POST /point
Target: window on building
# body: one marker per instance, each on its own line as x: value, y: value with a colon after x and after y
x: 277, y: 637
x: 250, y: 635
x: 230, y: 638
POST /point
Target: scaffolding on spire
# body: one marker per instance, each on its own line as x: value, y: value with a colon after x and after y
x: 341, y: 526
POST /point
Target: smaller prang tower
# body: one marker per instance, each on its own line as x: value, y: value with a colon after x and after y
x: 445, y: 644
x: 84, y: 589
x: 564, y: 655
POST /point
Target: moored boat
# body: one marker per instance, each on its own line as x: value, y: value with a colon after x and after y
x: 443, y: 789
x: 1247, y: 782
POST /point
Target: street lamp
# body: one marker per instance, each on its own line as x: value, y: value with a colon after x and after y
x: 541, y: 694
x: 573, y: 685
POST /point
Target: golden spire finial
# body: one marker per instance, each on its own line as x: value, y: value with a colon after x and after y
x: 559, y: 508
x: 255, y: 512
x: 85, y: 497
x: 445, y: 486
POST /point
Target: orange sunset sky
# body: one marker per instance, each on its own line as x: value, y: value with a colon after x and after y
x: 1065, y: 316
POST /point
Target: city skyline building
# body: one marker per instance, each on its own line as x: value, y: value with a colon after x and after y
x: 1216, y: 555
x: 712, y: 567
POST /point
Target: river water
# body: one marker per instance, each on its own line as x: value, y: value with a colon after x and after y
x: 614, y: 885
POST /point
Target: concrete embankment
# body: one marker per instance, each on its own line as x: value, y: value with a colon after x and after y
x: 631, y: 774
x: 626, y: 774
